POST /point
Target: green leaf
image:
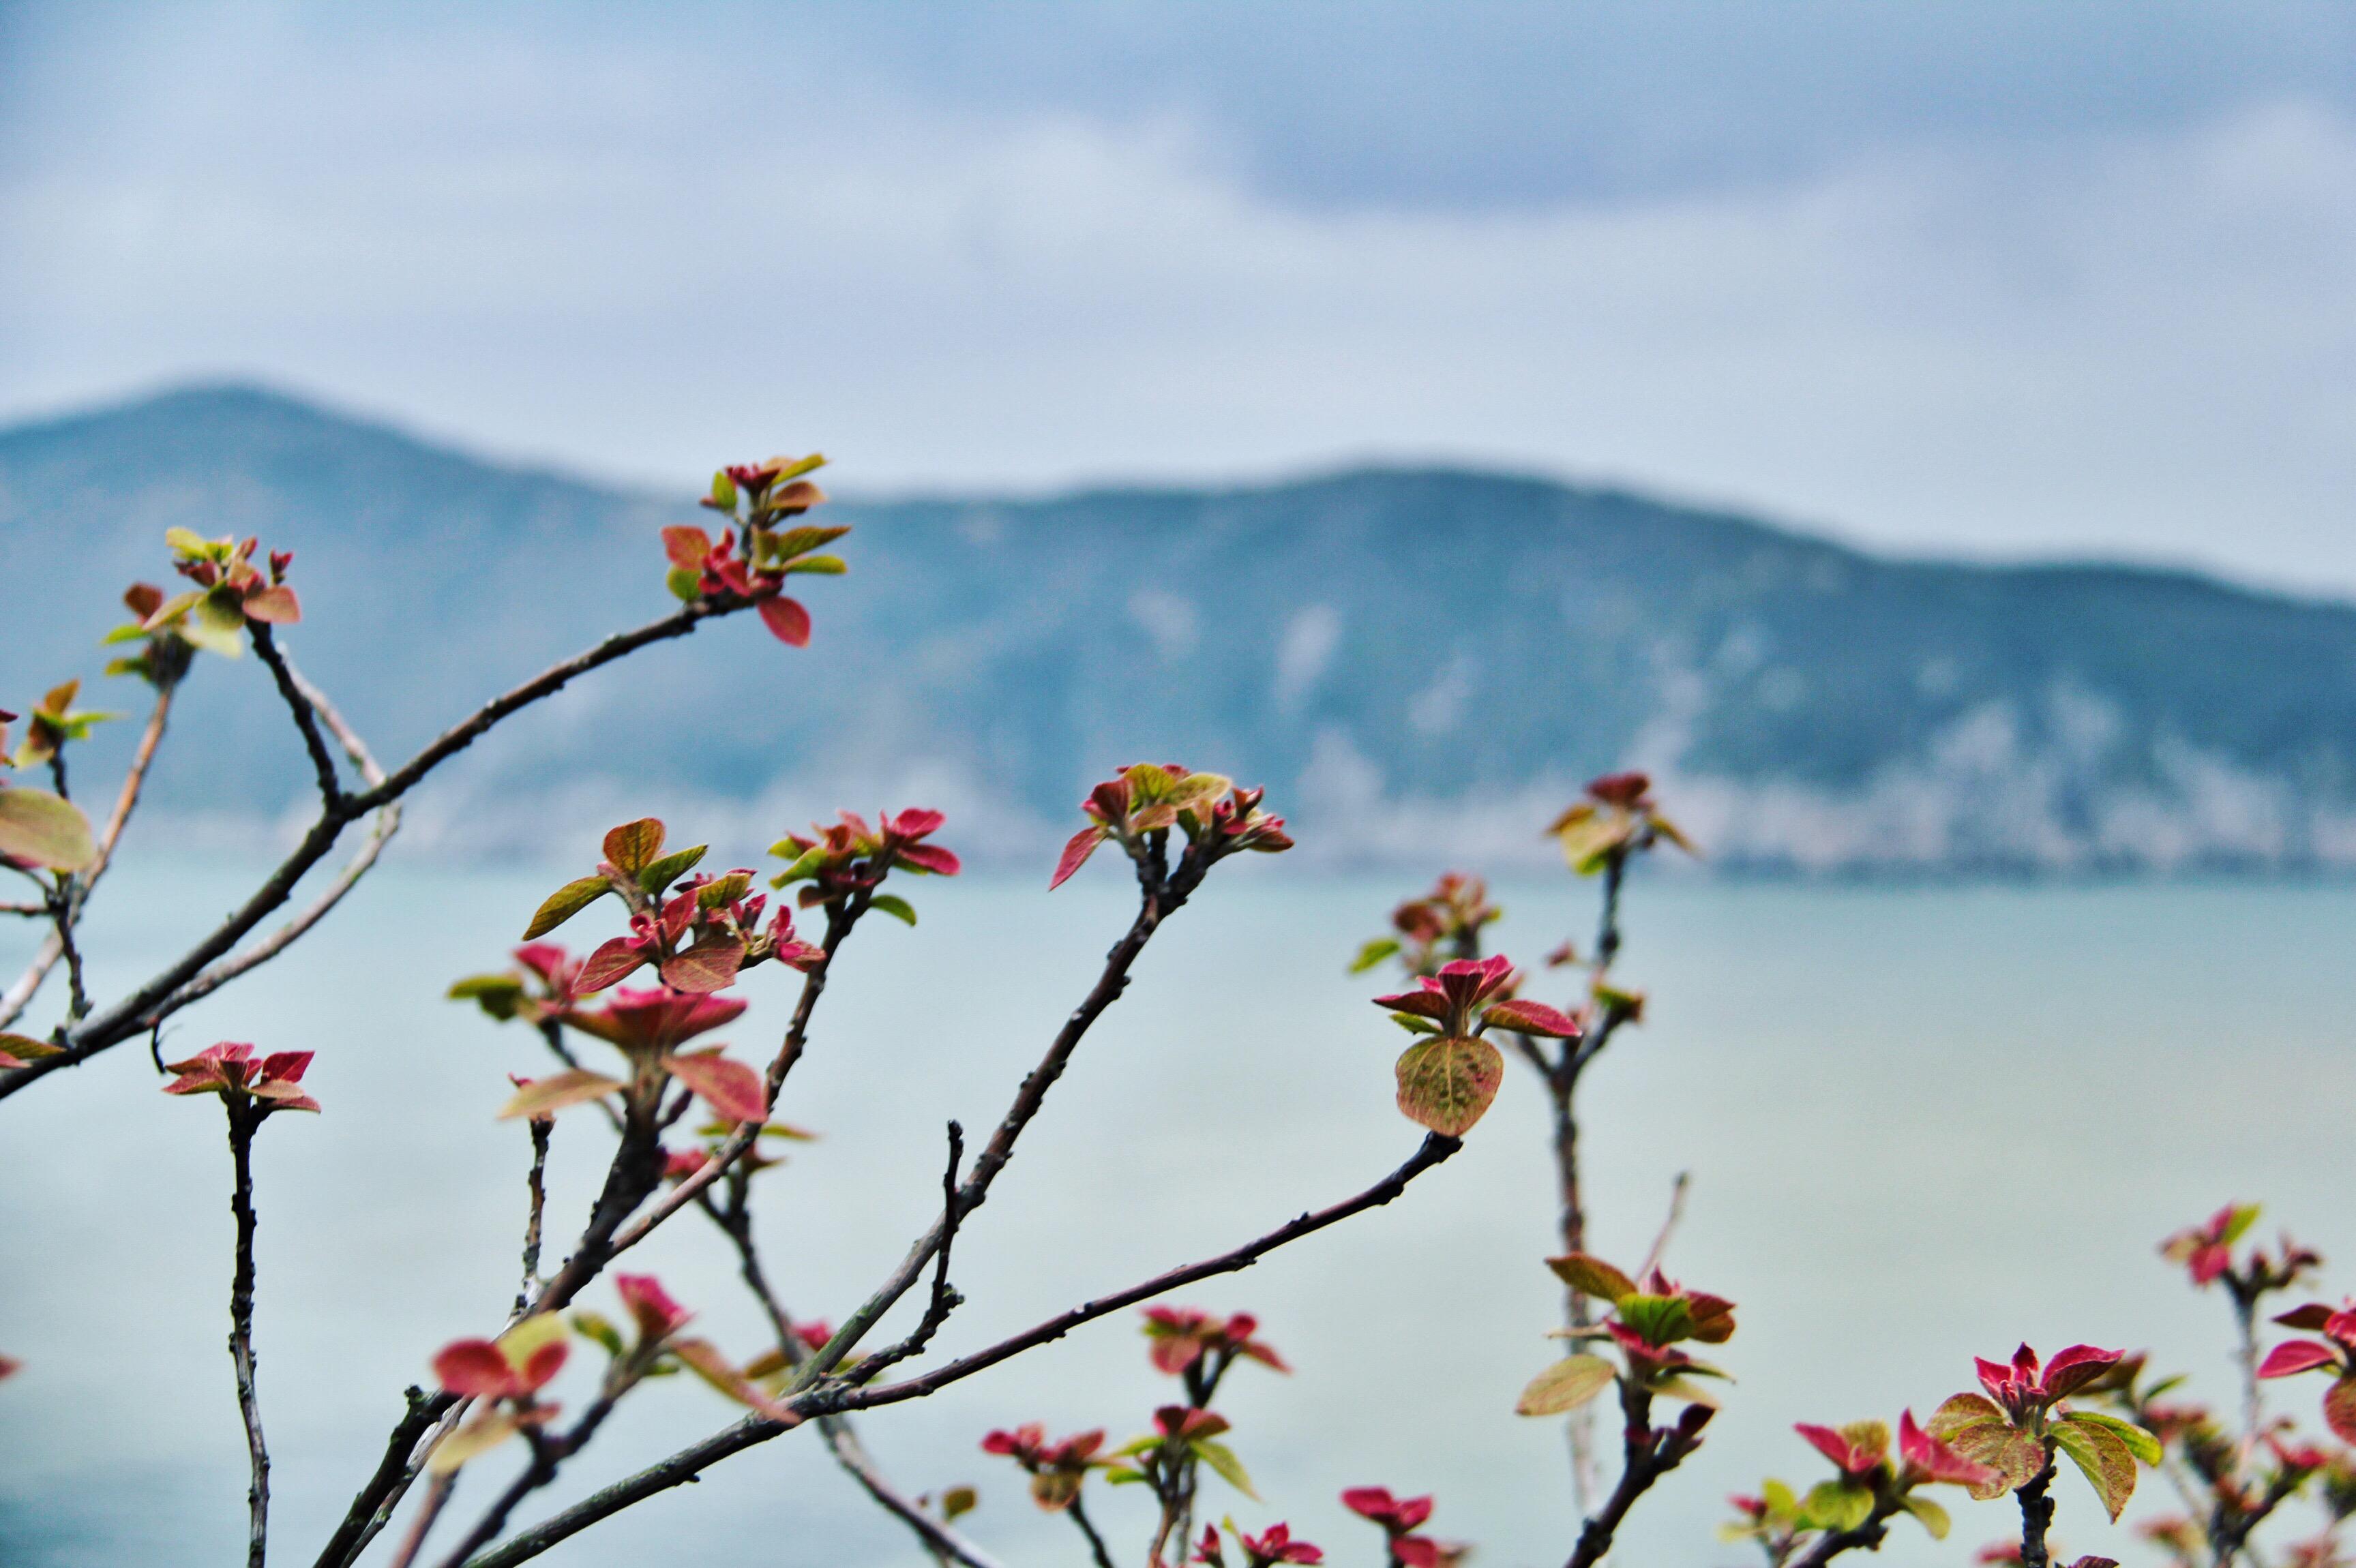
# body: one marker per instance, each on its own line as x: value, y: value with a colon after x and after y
x: 662, y: 873
x: 1591, y: 1275
x: 821, y: 565
x: 724, y: 491
x: 1837, y: 1505
x: 684, y: 585
x: 546, y: 1097
x: 806, y: 862
x: 1447, y: 1085
x: 487, y: 1430
x: 787, y: 543
x: 1933, y: 1517
x: 894, y: 905
x: 2102, y: 1458
x: 959, y: 1500
x: 2244, y: 1215
x: 1960, y: 1411
x: 632, y: 847
x: 2141, y: 1444
x: 46, y: 830
x: 1122, y: 1476
x: 564, y: 903
x: 1661, y: 1319
x: 496, y: 995
x: 1566, y: 1385
x: 595, y: 1325
x: 721, y: 892
x: 1221, y: 1458
x: 1415, y: 1023
x: 25, y: 1047
x: 1371, y: 954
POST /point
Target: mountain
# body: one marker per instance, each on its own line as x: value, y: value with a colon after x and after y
x: 1419, y: 663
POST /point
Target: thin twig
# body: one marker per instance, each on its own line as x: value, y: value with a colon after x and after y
x: 2036, y: 1516
x: 298, y: 703
x: 736, y: 1221
x: 244, y: 1119
x: 171, y: 988
x: 366, y: 1516
x: 690, y: 1462
x: 429, y: 1509
x: 1648, y: 1453
x: 1669, y: 1224
x: 943, y: 1299
x: 541, y: 1126
x: 1159, y: 896
x: 20, y: 995
x: 1095, y: 1542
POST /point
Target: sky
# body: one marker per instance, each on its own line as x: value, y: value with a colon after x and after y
x: 2001, y: 279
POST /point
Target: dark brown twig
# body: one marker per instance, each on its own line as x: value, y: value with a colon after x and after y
x: 1102, y: 1558
x: 736, y: 1221
x: 692, y: 1461
x: 307, y: 720
x: 2036, y: 1516
x: 1647, y: 1453
x: 244, y: 1116
x: 536, y: 1183
x: 169, y: 989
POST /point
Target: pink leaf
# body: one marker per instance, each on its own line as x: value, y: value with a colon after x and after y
x: 687, y: 546
x: 730, y: 1088
x: 2294, y: 1356
x: 707, y: 966
x: 474, y: 1367
x: 787, y: 620
x: 1533, y: 1017
x: 1076, y: 855
x: 613, y: 961
x: 276, y: 605
x: 932, y: 857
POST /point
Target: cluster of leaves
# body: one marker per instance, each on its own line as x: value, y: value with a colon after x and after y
x: 754, y: 555
x: 1646, y: 1324
x: 698, y: 935
x: 1138, y: 808
x: 1450, y: 1076
x: 1199, y: 1349
x: 1618, y: 818
x: 1428, y: 931
x: 1867, y: 1488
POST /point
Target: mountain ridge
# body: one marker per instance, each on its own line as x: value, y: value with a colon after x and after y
x: 1420, y: 660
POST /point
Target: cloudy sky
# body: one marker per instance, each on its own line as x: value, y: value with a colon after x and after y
x: 1996, y: 278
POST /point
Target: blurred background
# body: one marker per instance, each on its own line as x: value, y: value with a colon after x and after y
x: 1920, y: 436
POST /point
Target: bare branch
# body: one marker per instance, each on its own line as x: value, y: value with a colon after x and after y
x: 188, y: 977
x: 244, y: 1119
x: 1669, y: 1226
x: 298, y: 703
x: 736, y: 1222
x: 690, y: 1462
x: 20, y: 995
x: 541, y: 1126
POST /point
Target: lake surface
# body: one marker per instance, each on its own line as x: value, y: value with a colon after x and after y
x: 1923, y: 1124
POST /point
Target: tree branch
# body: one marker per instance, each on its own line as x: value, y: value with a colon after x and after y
x: 736, y: 1221
x: 1648, y: 1453
x: 20, y: 995
x: 688, y: 1463
x: 298, y: 703
x: 243, y: 1121
x: 187, y: 978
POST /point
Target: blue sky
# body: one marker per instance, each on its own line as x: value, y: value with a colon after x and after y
x: 2000, y: 279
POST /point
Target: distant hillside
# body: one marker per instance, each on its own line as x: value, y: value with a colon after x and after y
x: 1416, y: 662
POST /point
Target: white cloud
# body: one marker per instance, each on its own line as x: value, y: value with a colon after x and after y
x: 2138, y: 345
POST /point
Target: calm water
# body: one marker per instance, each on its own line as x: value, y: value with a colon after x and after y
x: 1921, y: 1124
